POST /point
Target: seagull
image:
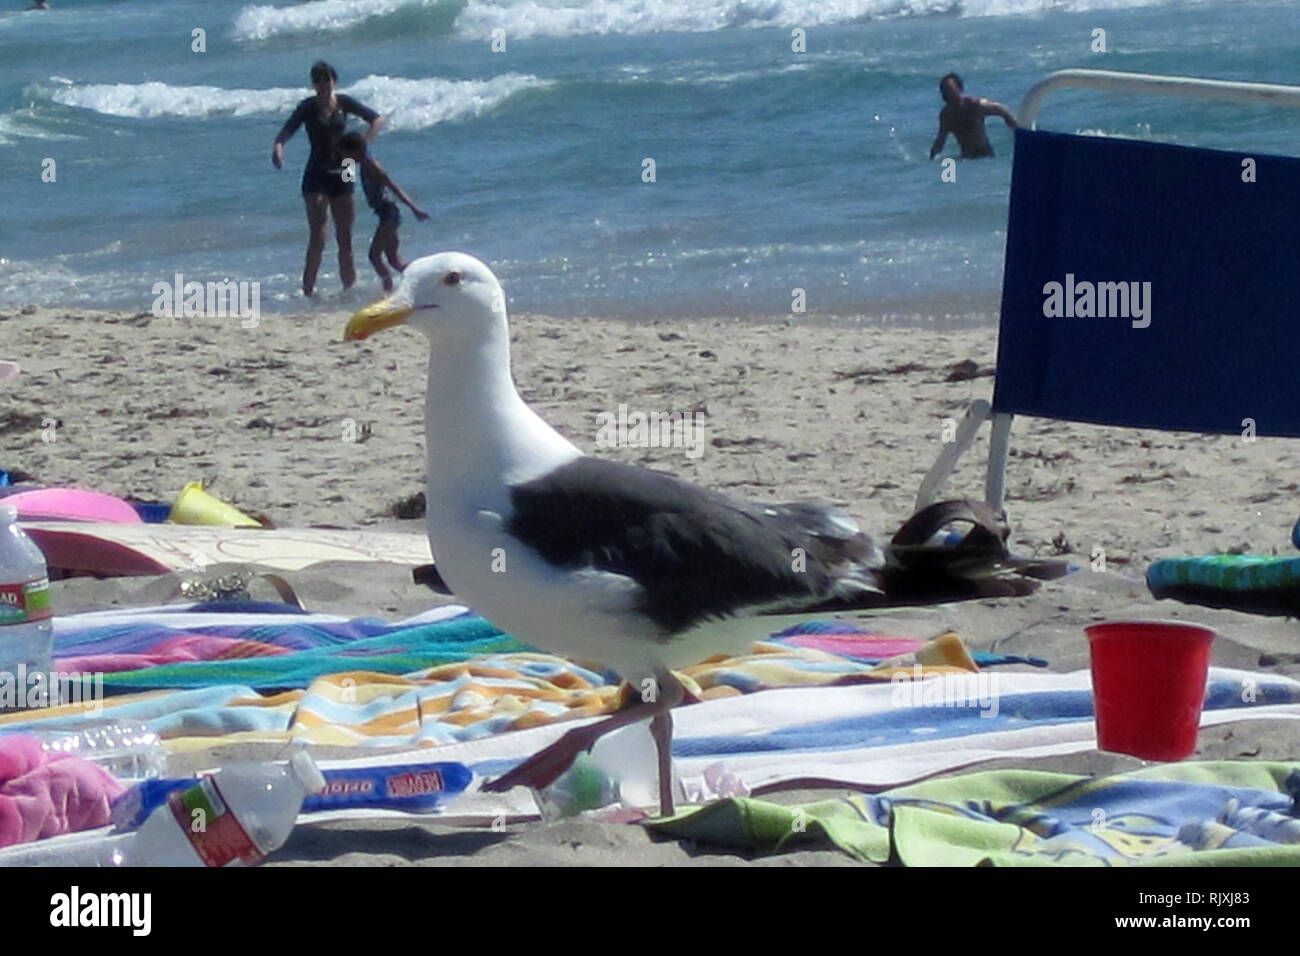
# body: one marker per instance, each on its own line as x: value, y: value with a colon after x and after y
x: 599, y: 561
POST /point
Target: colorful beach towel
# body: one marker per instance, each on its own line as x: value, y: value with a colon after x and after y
x: 846, y: 639
x: 882, y: 735
x: 275, y: 647
x: 426, y: 681
x: 158, y: 649
x: 1194, y: 814
x: 1257, y: 584
x: 871, y: 736
x: 471, y: 696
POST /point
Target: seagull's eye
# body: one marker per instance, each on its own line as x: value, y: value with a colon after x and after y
x: 451, y: 278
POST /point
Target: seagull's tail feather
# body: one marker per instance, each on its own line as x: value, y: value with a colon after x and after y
x: 855, y: 574
x: 850, y: 560
x: 916, y: 571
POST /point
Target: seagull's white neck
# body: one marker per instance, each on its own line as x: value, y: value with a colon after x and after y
x: 481, y: 437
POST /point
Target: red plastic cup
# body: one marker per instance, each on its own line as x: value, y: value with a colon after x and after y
x: 1148, y: 686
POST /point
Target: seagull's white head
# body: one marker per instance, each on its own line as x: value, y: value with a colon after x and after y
x: 446, y: 296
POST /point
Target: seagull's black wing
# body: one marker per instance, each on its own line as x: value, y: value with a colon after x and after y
x: 696, y: 554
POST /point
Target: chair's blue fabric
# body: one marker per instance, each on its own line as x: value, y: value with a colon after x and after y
x: 1222, y: 257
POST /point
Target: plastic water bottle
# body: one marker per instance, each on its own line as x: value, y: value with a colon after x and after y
x: 233, y: 818
x: 245, y: 811
x: 129, y: 751
x: 26, y: 631
x: 621, y: 771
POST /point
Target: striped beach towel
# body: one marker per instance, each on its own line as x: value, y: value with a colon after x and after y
x: 472, y: 696
x: 1228, y: 813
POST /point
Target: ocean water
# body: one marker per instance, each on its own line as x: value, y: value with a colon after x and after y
x: 774, y: 169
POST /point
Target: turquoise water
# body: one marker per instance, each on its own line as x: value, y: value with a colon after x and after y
x: 775, y: 170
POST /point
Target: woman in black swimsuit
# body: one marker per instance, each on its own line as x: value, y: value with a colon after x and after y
x: 324, y: 189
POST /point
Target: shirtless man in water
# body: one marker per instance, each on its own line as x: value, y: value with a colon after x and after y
x: 963, y: 116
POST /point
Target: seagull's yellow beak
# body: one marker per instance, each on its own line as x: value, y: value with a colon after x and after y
x: 384, y: 314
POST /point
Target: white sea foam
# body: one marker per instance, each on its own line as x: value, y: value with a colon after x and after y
x: 1011, y: 8
x: 688, y: 76
x: 1140, y: 131
x: 153, y: 99
x: 527, y: 18
x: 407, y: 104
x: 530, y: 18
x: 418, y: 104
x: 22, y: 124
x: 111, y: 249
x: 263, y: 21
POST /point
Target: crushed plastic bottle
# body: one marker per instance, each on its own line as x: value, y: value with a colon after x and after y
x: 620, y: 774
x: 233, y: 818
x: 127, y: 750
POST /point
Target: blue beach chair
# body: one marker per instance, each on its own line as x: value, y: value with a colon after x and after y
x: 1215, y: 258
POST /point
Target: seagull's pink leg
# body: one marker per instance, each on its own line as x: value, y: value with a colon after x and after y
x: 545, y: 767
x: 661, y: 728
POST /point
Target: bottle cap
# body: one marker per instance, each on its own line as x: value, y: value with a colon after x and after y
x: 313, y: 781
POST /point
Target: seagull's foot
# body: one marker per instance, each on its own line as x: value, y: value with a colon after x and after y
x: 546, y: 766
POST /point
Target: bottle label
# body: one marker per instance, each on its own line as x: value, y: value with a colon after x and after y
x: 217, y: 837
x: 28, y: 601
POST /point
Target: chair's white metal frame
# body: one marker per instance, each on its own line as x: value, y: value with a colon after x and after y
x: 1269, y: 94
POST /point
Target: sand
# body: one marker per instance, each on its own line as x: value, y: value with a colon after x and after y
x: 852, y: 415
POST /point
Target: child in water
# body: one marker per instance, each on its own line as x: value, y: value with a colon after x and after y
x: 375, y: 183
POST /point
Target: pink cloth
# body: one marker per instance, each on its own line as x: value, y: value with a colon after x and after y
x: 867, y: 646
x: 43, y: 795
x: 173, y: 650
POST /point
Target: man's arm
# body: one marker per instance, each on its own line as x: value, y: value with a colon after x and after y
x: 943, y: 134
x: 399, y: 192
x: 991, y: 108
